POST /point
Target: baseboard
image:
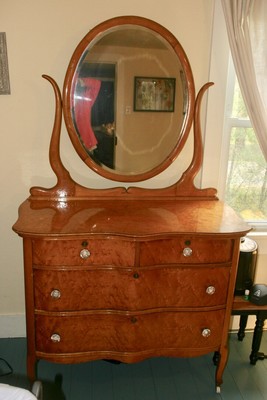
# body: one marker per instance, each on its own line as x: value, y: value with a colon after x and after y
x: 12, y: 326
x: 234, y: 325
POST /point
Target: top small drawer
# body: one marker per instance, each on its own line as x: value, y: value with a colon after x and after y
x: 84, y: 252
x: 185, y: 250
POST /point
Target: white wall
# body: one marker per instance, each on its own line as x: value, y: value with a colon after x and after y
x: 41, y: 36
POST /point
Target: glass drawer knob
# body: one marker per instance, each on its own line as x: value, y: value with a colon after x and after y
x: 84, y: 254
x: 55, y: 338
x: 55, y: 294
x: 206, y: 332
x: 210, y: 290
x: 187, y: 251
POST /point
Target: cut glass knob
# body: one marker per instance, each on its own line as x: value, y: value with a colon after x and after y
x: 55, y: 338
x: 187, y: 251
x: 84, y: 254
x: 206, y: 332
x: 55, y: 294
x: 210, y: 290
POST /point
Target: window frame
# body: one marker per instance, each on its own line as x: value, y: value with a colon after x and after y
x: 218, y: 117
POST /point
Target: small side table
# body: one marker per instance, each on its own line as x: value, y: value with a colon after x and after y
x: 244, y: 308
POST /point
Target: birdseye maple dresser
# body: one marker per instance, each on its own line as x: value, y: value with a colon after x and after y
x: 128, y: 273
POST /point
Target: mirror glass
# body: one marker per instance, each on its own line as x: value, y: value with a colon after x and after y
x: 127, y: 99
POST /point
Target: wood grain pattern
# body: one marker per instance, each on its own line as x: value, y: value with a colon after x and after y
x: 138, y: 218
x: 204, y: 250
x: 104, y: 331
x: 130, y: 289
x: 67, y: 252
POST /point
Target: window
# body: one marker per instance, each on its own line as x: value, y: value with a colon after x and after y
x: 246, y: 178
x: 233, y: 161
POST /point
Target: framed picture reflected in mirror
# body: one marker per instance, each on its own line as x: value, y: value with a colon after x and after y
x: 154, y: 94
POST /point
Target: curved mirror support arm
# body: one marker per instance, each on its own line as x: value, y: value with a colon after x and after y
x: 65, y: 185
x: 185, y: 186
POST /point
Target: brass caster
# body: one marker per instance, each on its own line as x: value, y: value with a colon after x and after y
x: 218, y: 389
x: 37, y: 390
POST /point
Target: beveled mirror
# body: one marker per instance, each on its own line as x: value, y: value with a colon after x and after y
x: 128, y: 98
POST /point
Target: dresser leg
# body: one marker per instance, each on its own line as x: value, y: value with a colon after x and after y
x: 220, y: 367
x: 31, y: 368
x: 216, y: 358
x: 256, y: 339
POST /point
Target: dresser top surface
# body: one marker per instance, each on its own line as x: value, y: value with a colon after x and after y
x: 127, y: 218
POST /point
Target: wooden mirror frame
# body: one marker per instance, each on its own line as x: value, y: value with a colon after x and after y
x: 77, y: 56
x: 67, y: 189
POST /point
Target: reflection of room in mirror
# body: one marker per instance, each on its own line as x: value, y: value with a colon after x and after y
x: 99, y: 112
x: 141, y: 141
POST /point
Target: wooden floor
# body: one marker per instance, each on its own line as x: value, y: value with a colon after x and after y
x: 157, y: 379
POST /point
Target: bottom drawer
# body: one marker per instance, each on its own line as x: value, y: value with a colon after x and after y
x: 128, y: 333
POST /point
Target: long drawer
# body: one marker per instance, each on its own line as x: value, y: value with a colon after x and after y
x: 128, y: 333
x: 130, y: 289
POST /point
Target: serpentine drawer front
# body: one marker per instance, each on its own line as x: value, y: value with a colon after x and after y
x: 129, y: 289
x: 99, y: 274
x: 84, y: 252
x: 185, y: 250
x: 125, y: 296
x: 119, y: 332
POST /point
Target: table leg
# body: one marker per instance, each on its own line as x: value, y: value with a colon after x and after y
x: 257, y: 338
x: 242, y: 326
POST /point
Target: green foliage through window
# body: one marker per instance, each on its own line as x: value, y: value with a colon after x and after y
x: 246, y: 187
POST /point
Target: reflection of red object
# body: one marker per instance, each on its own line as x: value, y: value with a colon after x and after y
x: 83, y: 103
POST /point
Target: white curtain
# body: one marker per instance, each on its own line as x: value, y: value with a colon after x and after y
x: 246, y: 22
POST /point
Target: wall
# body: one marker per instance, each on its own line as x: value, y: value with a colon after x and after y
x: 41, y: 36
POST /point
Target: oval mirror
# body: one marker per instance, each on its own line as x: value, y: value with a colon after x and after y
x: 128, y: 98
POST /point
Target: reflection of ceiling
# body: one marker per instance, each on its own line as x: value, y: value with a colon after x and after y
x: 133, y: 37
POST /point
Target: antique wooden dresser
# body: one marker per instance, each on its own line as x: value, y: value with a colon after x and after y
x: 128, y: 273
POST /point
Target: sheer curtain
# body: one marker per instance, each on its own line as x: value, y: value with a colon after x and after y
x: 246, y: 22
